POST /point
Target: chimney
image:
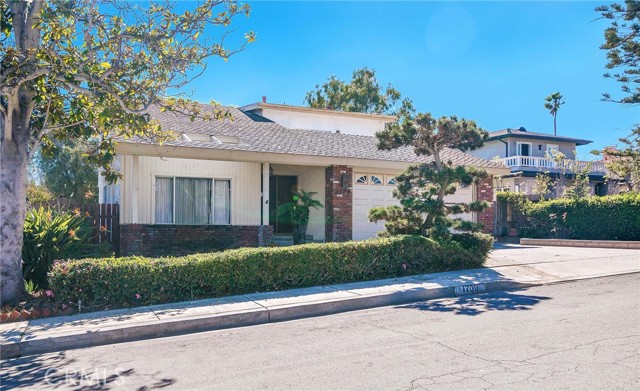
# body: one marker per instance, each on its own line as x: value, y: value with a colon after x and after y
x: 264, y: 99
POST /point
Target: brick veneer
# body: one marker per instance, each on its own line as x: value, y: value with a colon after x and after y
x: 484, y: 192
x: 159, y: 239
x: 338, y: 203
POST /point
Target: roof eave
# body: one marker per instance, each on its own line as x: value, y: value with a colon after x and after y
x: 538, y: 137
x: 261, y: 105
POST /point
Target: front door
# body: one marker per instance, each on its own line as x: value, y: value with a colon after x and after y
x: 281, y: 189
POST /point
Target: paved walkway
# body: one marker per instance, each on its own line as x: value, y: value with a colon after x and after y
x: 510, y: 266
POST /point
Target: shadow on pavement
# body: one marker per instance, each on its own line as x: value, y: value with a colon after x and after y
x: 472, y: 306
x: 57, y: 371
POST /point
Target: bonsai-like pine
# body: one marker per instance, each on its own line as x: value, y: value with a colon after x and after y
x: 422, y: 188
x: 553, y: 103
x: 298, y: 213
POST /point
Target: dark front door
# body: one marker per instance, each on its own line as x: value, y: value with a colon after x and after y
x: 281, y: 189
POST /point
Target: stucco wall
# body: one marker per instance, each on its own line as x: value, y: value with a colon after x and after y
x: 566, y: 148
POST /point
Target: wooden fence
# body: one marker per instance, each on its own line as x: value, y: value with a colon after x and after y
x: 105, y: 218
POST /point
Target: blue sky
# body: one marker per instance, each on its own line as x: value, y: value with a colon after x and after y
x: 493, y: 62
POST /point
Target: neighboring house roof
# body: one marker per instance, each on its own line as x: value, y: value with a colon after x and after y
x: 504, y: 133
x: 264, y: 105
x: 255, y: 133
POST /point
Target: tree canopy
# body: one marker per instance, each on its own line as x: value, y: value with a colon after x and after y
x: 422, y: 188
x: 622, y: 44
x: 90, y: 69
x: 363, y: 94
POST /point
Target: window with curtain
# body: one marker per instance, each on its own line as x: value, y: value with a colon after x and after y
x: 197, y: 201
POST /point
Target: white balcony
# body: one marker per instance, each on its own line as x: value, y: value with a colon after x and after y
x: 545, y: 164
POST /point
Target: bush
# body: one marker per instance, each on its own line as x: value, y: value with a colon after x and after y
x: 138, y: 280
x: 50, y: 235
x: 614, y: 217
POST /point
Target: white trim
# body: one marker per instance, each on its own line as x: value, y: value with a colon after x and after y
x: 155, y: 175
x: 519, y: 150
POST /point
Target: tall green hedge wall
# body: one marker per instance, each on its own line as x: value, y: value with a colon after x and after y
x: 614, y: 217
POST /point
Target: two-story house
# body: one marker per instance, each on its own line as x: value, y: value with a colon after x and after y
x: 529, y: 153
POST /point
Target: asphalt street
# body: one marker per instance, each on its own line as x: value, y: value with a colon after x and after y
x: 581, y: 335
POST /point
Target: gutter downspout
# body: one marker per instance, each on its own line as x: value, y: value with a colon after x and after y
x: 506, y: 147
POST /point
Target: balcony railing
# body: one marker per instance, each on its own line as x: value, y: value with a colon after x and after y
x: 542, y: 164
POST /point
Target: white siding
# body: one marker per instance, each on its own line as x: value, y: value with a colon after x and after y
x: 137, y: 187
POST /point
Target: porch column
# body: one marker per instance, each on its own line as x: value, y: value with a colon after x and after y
x: 484, y: 192
x: 265, y: 193
x: 338, y: 203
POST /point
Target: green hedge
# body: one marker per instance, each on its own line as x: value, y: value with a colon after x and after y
x: 130, y: 281
x: 614, y: 217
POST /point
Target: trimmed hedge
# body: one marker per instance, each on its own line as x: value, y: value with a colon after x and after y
x: 131, y: 281
x: 614, y: 217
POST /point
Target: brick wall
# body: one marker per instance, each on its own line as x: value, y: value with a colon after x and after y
x: 159, y: 239
x: 484, y: 192
x: 338, y: 203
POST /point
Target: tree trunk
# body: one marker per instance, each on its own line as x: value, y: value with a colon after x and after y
x: 13, y: 183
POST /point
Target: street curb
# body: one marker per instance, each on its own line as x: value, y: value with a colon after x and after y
x: 252, y: 317
x: 165, y: 328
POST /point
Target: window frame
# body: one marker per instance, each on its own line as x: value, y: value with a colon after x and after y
x: 519, y: 148
x: 212, y: 196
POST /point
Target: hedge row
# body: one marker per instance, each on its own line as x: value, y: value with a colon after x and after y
x: 131, y: 281
x: 614, y: 217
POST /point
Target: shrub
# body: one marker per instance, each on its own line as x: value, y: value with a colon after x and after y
x: 50, y: 235
x: 614, y: 217
x: 138, y: 280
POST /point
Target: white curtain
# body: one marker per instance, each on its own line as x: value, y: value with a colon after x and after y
x: 222, y: 203
x: 164, y: 200
x: 193, y: 201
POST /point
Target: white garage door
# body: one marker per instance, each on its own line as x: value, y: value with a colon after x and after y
x: 371, y: 190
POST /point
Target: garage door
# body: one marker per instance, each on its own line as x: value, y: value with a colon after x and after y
x: 371, y: 190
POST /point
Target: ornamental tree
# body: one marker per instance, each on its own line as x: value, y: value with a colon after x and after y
x: 89, y: 70
x: 422, y: 188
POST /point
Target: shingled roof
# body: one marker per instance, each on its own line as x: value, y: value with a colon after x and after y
x: 259, y: 134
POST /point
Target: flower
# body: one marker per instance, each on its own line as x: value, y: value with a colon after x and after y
x: 64, y: 306
x: 138, y: 296
x: 49, y: 293
x: 404, y: 266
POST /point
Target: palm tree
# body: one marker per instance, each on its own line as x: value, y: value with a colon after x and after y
x: 553, y: 103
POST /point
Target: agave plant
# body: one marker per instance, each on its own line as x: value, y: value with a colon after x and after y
x: 51, y: 235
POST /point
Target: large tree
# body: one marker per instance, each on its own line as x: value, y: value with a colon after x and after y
x: 422, y: 188
x: 363, y: 94
x: 67, y: 171
x: 90, y: 69
x: 622, y: 44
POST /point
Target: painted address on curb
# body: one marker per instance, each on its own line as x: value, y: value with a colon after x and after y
x: 473, y: 288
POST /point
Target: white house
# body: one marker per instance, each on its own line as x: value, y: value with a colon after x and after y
x: 529, y: 153
x: 217, y: 185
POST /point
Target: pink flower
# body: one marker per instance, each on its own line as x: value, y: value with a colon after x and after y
x: 64, y: 306
x: 404, y: 266
x: 138, y: 296
x: 49, y: 293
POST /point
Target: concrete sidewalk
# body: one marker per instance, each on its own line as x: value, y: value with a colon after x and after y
x: 509, y: 267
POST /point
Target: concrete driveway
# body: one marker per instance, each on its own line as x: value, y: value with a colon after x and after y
x: 565, y: 262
